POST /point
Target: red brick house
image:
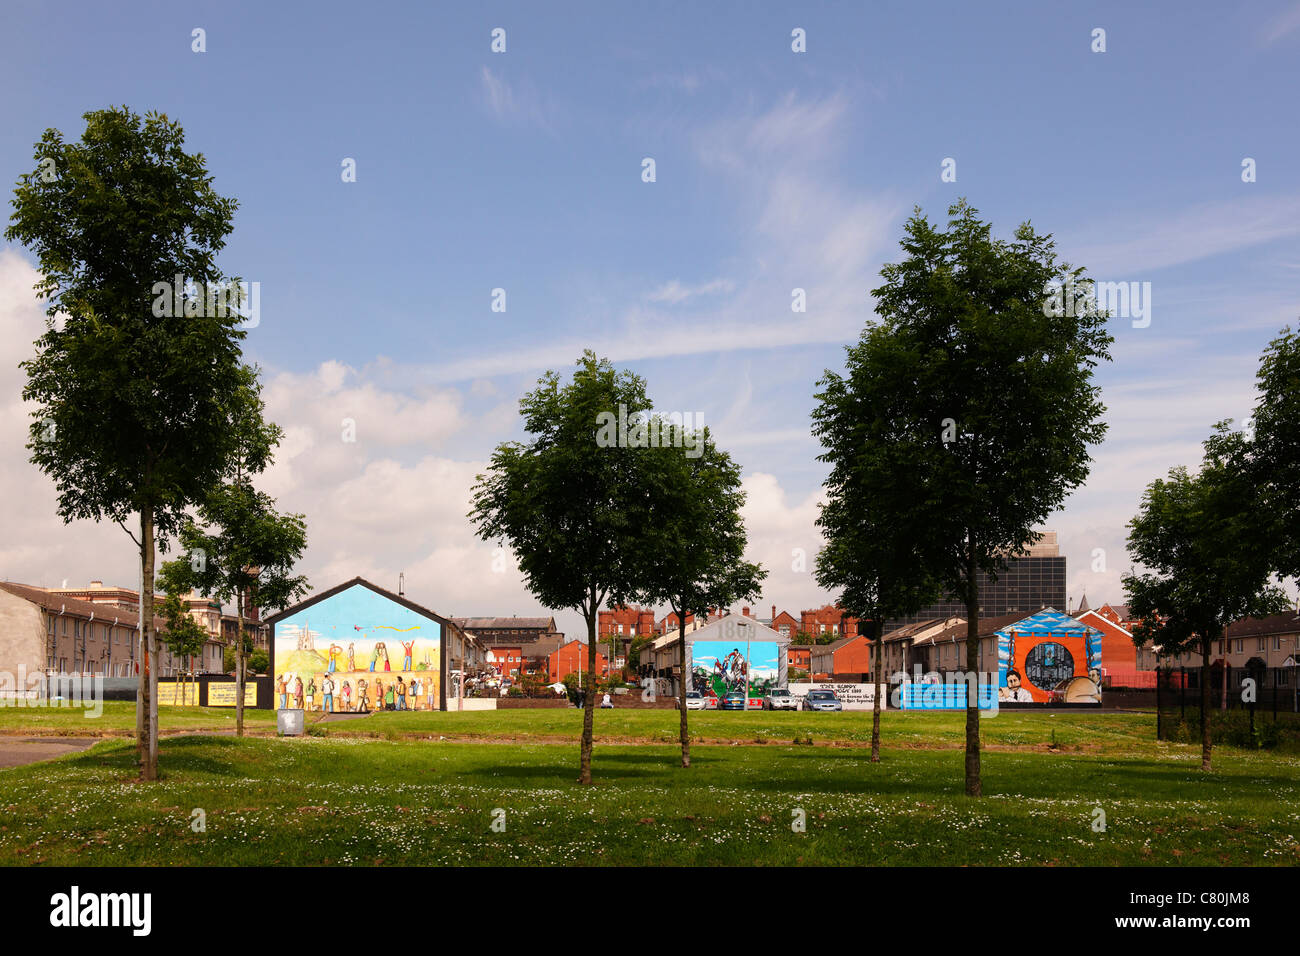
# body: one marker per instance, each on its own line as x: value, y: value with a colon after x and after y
x: 828, y: 620
x: 848, y: 655
x: 571, y: 658
x: 1120, y: 664
x: 799, y: 655
x: 784, y: 623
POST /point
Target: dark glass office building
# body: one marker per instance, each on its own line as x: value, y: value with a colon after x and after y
x: 1028, y: 584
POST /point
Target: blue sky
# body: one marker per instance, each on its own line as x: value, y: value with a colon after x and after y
x: 775, y: 170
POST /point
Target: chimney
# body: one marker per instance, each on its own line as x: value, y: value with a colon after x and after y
x: 773, y: 612
x: 745, y: 611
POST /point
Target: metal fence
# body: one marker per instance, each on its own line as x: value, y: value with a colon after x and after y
x: 1249, y: 707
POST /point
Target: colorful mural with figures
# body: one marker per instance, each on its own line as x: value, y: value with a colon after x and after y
x: 1049, y: 657
x: 722, y: 667
x: 357, y: 649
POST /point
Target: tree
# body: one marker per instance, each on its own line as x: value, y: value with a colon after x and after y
x: 1275, y: 449
x: 695, y: 546
x: 133, y: 407
x: 1203, y: 538
x: 634, y: 650
x: 184, y: 636
x: 230, y: 657
x: 871, y: 501
x: 570, y: 502
x: 259, y: 662
x: 242, y: 549
x: 982, y: 379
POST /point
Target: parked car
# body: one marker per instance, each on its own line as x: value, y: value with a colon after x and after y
x: 695, y: 701
x: 734, y: 701
x: 780, y: 698
x: 822, y: 700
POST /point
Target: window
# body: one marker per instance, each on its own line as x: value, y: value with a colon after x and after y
x: 1240, y: 646
x: 1261, y: 645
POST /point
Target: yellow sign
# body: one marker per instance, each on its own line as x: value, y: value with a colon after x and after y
x: 223, y: 694
x: 178, y: 693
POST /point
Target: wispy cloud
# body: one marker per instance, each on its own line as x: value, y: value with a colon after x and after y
x: 1147, y: 240
x: 517, y: 103
x: 1284, y: 24
x: 674, y: 292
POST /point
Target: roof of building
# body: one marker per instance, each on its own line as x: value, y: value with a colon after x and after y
x: 544, y: 646
x: 1288, y: 622
x: 920, y: 627
x: 834, y: 646
x: 988, y: 626
x: 63, y: 604
x: 1096, y: 613
x: 502, y: 623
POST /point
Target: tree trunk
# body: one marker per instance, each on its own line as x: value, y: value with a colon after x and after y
x: 1206, y: 744
x: 154, y: 655
x: 148, y: 744
x: 879, y: 628
x: 142, y: 672
x: 239, y: 667
x: 681, y: 688
x: 973, y: 787
x: 589, y: 704
x: 1223, y: 697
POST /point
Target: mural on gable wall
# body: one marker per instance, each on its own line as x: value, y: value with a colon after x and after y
x: 1049, y: 656
x: 355, y: 652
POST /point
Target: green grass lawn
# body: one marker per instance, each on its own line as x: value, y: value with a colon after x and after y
x: 1020, y: 729
x: 118, y: 718
x: 350, y: 800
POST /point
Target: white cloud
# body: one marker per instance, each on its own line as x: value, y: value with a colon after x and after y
x: 520, y: 103
x: 800, y: 229
x: 674, y: 292
x: 1146, y: 240
x: 1284, y: 24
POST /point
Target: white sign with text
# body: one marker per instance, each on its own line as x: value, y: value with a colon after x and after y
x: 853, y: 696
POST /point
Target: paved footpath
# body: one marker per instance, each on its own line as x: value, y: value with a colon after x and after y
x: 17, y: 751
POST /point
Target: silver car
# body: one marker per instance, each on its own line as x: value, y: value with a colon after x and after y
x: 822, y: 700
x: 780, y: 698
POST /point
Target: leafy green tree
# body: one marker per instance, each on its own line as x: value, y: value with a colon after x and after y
x: 1275, y: 449
x: 184, y: 636
x: 134, y: 408
x: 870, y: 502
x: 1200, y: 538
x: 259, y: 661
x: 242, y: 549
x: 982, y: 383
x: 694, y: 553
x: 230, y: 657
x: 634, y: 651
x: 571, y: 504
